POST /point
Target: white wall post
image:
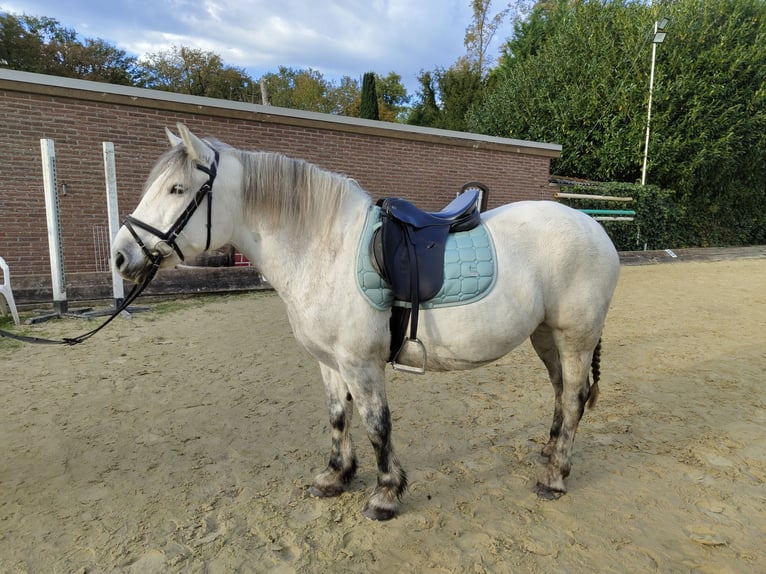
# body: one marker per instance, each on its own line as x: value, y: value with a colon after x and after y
x: 48, y: 152
x: 114, y: 218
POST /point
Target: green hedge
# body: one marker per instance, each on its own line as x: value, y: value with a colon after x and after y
x: 666, y: 220
x: 658, y: 223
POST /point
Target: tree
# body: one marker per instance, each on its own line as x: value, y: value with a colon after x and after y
x: 302, y: 90
x: 194, y: 72
x: 577, y: 73
x: 460, y: 87
x: 344, y: 98
x: 529, y: 33
x: 709, y: 129
x: 457, y: 88
x: 97, y: 60
x: 446, y: 95
x: 20, y: 48
x: 392, y: 97
x: 576, y: 80
x: 43, y: 46
x: 426, y: 112
x: 480, y: 32
x: 309, y: 90
x: 368, y: 107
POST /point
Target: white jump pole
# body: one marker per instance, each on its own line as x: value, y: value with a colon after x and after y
x: 114, y: 217
x: 48, y: 152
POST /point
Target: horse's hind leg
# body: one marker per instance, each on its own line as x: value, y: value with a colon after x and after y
x: 544, y: 345
x: 575, y: 356
x: 341, y: 466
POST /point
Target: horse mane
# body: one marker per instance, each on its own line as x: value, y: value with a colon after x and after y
x: 291, y: 194
x: 285, y: 193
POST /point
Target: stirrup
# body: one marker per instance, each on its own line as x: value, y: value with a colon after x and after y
x: 407, y: 368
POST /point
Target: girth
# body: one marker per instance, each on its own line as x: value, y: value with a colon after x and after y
x: 408, y: 252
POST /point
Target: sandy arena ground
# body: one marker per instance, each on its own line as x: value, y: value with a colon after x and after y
x: 183, y: 440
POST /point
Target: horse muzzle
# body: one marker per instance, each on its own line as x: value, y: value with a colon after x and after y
x: 135, y: 262
x: 134, y: 269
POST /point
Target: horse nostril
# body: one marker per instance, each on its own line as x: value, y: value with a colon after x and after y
x: 119, y: 260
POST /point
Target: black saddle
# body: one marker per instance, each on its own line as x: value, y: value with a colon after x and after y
x: 408, y: 252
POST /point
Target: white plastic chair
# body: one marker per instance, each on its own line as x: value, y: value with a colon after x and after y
x: 5, y: 290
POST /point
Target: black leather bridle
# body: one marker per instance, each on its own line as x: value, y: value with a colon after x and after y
x: 162, y: 249
x: 167, y: 239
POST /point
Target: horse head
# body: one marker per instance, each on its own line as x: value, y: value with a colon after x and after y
x: 176, y: 218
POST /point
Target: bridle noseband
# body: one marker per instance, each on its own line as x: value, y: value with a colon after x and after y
x: 167, y: 240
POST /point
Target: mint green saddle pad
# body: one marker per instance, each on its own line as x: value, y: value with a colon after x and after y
x: 470, y: 268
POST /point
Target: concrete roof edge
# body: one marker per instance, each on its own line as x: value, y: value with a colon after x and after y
x: 341, y: 122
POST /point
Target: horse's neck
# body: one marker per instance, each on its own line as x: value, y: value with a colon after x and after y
x: 298, y: 263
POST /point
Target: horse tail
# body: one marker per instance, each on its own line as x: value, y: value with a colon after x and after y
x: 595, y: 366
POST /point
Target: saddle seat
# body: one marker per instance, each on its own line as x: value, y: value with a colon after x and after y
x: 408, y: 252
x: 461, y: 214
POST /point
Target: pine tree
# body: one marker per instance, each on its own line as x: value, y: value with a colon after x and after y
x: 368, y: 108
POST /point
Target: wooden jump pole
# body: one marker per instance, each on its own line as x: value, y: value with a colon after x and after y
x: 590, y: 196
x: 601, y: 214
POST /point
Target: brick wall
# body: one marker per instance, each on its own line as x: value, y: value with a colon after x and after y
x: 426, y: 166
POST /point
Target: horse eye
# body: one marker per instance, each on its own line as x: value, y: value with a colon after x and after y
x: 177, y: 189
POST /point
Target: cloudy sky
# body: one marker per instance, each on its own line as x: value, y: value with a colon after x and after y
x: 335, y: 37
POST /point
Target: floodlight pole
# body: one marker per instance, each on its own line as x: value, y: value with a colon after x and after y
x: 659, y: 36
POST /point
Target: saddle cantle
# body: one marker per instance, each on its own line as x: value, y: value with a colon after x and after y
x: 408, y: 252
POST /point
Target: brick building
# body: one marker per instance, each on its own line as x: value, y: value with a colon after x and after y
x: 424, y: 165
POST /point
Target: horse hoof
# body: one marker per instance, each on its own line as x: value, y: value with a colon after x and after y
x: 547, y: 493
x: 326, y: 491
x: 380, y: 514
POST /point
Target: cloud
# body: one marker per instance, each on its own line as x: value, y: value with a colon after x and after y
x: 335, y: 37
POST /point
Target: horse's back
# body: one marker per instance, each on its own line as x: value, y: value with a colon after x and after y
x: 553, y: 231
x: 565, y: 252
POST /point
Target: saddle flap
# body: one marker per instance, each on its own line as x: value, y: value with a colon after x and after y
x: 408, y: 249
x: 391, y: 249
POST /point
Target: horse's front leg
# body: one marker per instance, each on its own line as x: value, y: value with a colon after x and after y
x: 341, y: 466
x: 368, y: 388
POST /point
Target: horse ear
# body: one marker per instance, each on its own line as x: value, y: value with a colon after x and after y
x: 173, y: 138
x: 196, y: 149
